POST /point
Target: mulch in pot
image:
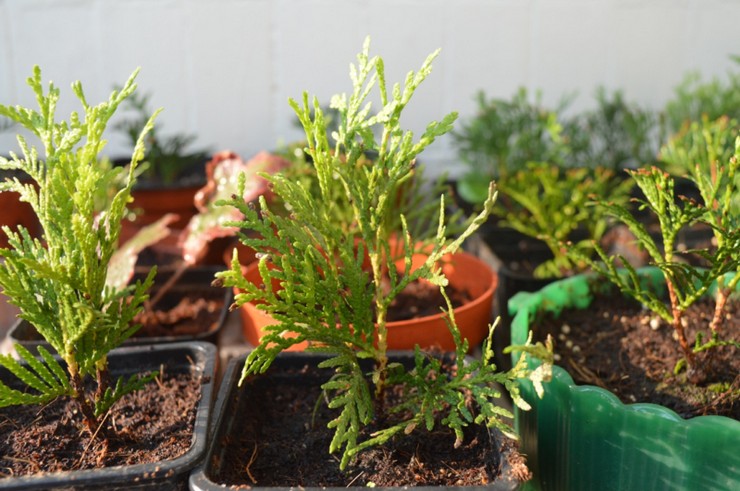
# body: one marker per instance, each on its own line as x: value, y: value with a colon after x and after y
x: 281, y: 439
x: 150, y: 425
x: 194, y: 313
x: 617, y: 345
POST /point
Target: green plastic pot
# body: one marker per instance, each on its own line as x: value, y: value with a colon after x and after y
x: 584, y: 438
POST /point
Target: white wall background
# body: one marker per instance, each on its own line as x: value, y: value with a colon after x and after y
x: 224, y: 69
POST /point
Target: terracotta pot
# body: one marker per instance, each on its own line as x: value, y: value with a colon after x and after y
x: 463, y: 270
x: 14, y: 213
x: 155, y: 202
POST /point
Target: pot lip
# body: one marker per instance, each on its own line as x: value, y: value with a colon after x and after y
x: 486, y: 296
x: 199, y: 481
x: 201, y: 353
x: 528, y: 303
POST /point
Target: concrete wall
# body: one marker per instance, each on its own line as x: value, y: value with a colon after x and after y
x: 224, y: 69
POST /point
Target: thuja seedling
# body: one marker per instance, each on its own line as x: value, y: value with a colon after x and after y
x: 337, y: 282
x: 59, y: 284
x: 685, y: 282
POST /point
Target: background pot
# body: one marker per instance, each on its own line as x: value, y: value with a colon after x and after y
x: 463, y: 270
x: 584, y: 438
x: 196, y: 358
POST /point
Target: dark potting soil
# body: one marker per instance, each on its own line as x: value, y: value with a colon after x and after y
x: 195, y: 313
x: 150, y: 425
x: 281, y: 439
x: 615, y: 344
x: 420, y: 299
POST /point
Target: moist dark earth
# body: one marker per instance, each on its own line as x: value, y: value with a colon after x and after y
x: 280, y: 439
x: 617, y: 345
x: 151, y: 425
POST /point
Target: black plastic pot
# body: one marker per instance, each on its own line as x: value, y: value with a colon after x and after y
x: 195, y: 279
x: 231, y: 399
x: 196, y: 358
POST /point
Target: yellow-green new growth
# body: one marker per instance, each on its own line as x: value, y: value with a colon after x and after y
x: 337, y: 280
x: 59, y: 283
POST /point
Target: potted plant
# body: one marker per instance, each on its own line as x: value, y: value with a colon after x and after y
x: 657, y: 412
x: 89, y: 390
x: 337, y: 285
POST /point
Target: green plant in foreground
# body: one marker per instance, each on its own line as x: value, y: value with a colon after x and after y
x: 551, y: 206
x: 336, y: 286
x: 59, y: 284
x: 685, y: 283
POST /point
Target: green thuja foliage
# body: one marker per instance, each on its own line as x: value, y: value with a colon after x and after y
x: 616, y: 134
x: 685, y: 283
x: 551, y: 206
x: 59, y: 282
x: 331, y: 285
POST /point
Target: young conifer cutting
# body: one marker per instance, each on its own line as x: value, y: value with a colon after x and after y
x: 332, y: 283
x: 715, y: 174
x: 59, y: 282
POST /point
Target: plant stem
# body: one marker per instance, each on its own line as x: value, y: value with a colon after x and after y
x: 677, y: 314
x: 719, y: 308
x: 88, y: 414
x: 381, y: 307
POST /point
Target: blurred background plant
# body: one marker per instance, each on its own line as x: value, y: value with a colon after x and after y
x: 615, y: 135
x: 503, y: 137
x: 695, y: 98
x: 167, y: 159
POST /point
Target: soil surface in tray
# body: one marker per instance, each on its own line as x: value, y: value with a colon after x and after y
x: 279, y: 440
x: 151, y: 425
x: 617, y: 345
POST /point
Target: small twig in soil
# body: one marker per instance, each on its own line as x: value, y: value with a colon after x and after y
x: 586, y: 374
x: 159, y: 379
x: 247, y: 468
x: 37, y: 417
x: 355, y: 479
x: 7, y: 421
x: 93, y: 437
x: 719, y: 399
x: 30, y: 462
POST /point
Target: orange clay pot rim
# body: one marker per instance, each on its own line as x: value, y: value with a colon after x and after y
x: 487, y: 295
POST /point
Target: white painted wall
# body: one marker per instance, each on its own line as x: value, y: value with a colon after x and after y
x: 224, y: 69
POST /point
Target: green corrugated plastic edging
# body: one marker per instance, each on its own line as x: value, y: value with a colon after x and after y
x: 584, y: 438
